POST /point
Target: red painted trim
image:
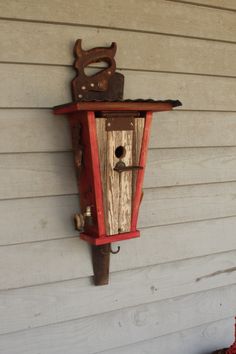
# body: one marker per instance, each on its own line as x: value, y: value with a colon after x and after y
x: 109, y: 239
x: 96, y: 173
x: 113, y: 106
x: 140, y: 177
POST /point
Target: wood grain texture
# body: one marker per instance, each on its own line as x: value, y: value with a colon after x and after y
x: 204, y: 23
x: 69, y: 300
x: 123, y: 327
x: 102, y: 146
x: 118, y: 185
x: 47, y: 174
x: 125, y: 183
x: 29, y: 86
x: 112, y: 180
x: 37, y: 130
x: 202, y: 339
x: 137, y: 141
x: 49, y: 44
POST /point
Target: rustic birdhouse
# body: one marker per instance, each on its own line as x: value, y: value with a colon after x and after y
x: 110, y: 141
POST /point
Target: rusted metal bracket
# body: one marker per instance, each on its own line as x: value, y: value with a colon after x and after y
x: 123, y: 123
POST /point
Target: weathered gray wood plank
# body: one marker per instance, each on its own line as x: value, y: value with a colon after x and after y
x: 45, y: 86
x: 185, y: 19
x: 50, y: 44
x: 125, y: 326
x: 57, y: 302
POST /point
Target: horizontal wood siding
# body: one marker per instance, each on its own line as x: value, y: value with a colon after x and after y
x: 38, y: 130
x: 123, y: 327
x: 156, y: 53
x: 157, y: 17
x: 25, y: 85
x: 220, y: 4
x: 202, y: 339
x: 43, y: 174
x: 57, y: 300
x: 173, y: 288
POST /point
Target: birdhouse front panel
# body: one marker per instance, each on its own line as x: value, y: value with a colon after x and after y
x: 119, y: 138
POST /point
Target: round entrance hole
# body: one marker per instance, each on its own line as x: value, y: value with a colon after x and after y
x: 120, y: 152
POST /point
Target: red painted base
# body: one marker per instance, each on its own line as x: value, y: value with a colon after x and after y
x: 109, y: 238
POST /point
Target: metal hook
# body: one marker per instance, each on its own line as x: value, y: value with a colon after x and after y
x: 105, y: 252
x: 115, y: 252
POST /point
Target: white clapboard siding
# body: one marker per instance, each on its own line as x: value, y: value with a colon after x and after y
x: 57, y: 260
x: 46, y: 174
x: 34, y: 219
x: 157, y: 244
x: 168, y: 167
x: 154, y: 16
x: 221, y: 4
x: 123, y: 327
x: 172, y: 289
x: 50, y: 44
x: 33, y: 130
x: 197, y: 201
x: 46, y: 86
x: 38, y: 130
x: 193, y: 129
x: 28, y: 175
x: 62, y: 301
x: 202, y: 339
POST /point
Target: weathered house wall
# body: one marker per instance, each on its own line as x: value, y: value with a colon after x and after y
x: 173, y: 290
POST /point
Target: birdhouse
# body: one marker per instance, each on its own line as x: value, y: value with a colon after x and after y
x: 110, y: 141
